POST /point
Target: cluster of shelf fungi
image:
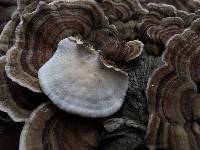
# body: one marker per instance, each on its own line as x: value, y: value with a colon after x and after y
x: 104, y: 74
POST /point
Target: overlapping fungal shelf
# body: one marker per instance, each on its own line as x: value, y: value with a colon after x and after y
x: 125, y: 15
x: 74, y: 73
x: 17, y: 101
x: 34, y: 47
x: 161, y: 23
x: 87, y: 87
x: 173, y: 97
x: 49, y: 128
x: 85, y: 21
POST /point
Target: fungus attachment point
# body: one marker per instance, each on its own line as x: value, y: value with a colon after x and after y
x: 79, y: 83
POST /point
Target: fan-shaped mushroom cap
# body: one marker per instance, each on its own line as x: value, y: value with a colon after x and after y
x: 173, y: 97
x: 49, y: 128
x: 17, y: 101
x: 40, y: 31
x: 125, y: 15
x: 7, y: 37
x: 127, y: 30
x: 119, y: 56
x: 185, y: 59
x: 122, y: 10
x: 114, y: 51
x: 161, y: 23
x: 171, y: 112
x: 77, y: 82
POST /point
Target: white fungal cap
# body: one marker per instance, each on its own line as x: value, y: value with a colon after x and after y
x: 76, y: 81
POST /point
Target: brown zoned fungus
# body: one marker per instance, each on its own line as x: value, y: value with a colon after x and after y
x: 77, y: 53
x: 125, y: 15
x: 49, y: 129
x: 37, y: 37
x: 34, y: 47
x: 161, y: 23
x: 17, y: 101
x: 77, y: 82
x: 172, y: 94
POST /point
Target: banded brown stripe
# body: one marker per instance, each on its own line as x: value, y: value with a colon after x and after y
x: 50, y: 128
x: 173, y: 96
x: 40, y: 31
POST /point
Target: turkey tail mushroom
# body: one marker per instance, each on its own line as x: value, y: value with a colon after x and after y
x: 80, y: 83
x: 40, y: 31
x: 161, y: 23
x: 119, y: 57
x: 49, y: 128
x: 17, y: 101
x: 115, y: 52
x: 7, y: 37
x: 123, y: 10
x: 125, y: 15
x: 184, y: 57
x: 171, y: 107
x: 173, y: 97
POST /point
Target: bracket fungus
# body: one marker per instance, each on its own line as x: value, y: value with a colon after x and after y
x: 118, y: 57
x: 115, y: 52
x: 122, y: 10
x: 34, y: 47
x: 161, y: 23
x: 173, y: 96
x: 80, y: 56
x: 80, y: 83
x: 17, y: 101
x: 49, y: 128
x: 124, y: 15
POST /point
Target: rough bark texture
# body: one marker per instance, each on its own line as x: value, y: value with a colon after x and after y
x: 126, y: 129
